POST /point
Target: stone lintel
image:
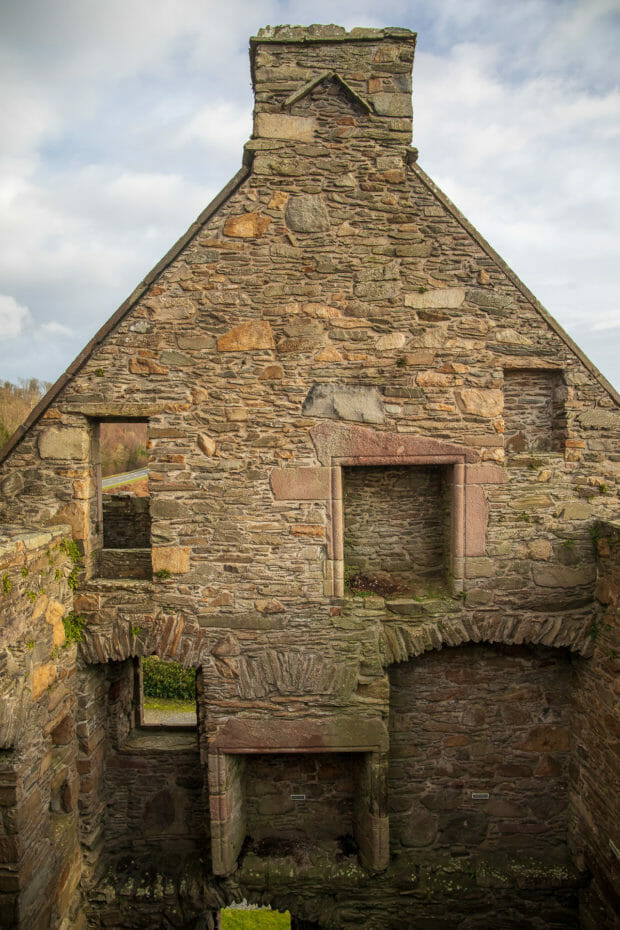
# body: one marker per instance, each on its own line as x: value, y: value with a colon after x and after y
x: 300, y: 484
x: 333, y: 734
x: 114, y: 411
x: 362, y: 443
x: 283, y: 126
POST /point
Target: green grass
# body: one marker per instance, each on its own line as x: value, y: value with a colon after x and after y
x: 169, y: 705
x: 234, y: 919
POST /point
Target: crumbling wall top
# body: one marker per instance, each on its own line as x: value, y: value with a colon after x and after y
x: 328, y: 33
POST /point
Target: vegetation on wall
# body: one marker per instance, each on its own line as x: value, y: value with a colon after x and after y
x: 167, y: 679
x: 241, y: 919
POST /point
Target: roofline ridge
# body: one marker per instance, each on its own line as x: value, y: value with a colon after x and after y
x: 514, y: 278
x: 127, y: 305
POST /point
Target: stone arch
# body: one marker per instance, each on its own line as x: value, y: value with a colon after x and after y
x: 571, y: 630
x: 169, y: 636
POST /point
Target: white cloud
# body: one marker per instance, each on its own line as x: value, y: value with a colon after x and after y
x: 119, y: 122
x: 14, y: 317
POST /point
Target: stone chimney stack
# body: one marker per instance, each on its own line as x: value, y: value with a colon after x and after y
x: 370, y: 69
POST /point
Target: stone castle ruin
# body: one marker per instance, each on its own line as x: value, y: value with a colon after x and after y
x: 379, y: 526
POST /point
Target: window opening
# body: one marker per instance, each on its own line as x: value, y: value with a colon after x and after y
x: 396, y: 537
x: 167, y: 694
x: 124, y: 501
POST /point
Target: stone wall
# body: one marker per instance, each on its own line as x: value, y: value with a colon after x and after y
x: 534, y: 412
x: 331, y: 311
x: 158, y: 815
x: 40, y: 859
x: 479, y: 751
x: 304, y: 800
x: 396, y: 528
x: 126, y: 522
x: 595, y: 802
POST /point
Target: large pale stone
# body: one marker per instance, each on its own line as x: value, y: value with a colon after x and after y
x: 76, y: 515
x: 390, y: 341
x: 489, y: 403
x: 175, y: 359
x: 283, y: 126
x: 511, y: 337
x: 600, y: 419
x: 576, y: 510
x: 392, y: 104
x: 298, y: 484
x: 206, y: 445
x: 306, y: 214
x: 69, y: 443
x: 42, y: 677
x: 434, y: 379
x: 247, y: 225
x: 444, y: 298
x: 255, y: 334
x: 169, y: 313
x: 173, y: 559
x: 54, y: 613
x: 344, y: 402
x: 563, y: 576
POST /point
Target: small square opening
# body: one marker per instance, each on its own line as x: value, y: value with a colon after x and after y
x: 396, y: 529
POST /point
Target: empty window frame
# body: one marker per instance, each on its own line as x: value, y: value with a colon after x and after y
x: 124, y: 505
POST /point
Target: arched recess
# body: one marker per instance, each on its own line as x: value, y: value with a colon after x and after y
x: 570, y: 630
x: 479, y: 752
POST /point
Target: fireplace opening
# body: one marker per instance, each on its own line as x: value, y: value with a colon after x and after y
x: 396, y: 529
x: 296, y: 802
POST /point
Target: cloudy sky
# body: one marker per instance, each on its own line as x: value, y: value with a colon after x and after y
x: 119, y: 121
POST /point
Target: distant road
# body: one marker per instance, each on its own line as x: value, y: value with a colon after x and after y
x: 112, y: 481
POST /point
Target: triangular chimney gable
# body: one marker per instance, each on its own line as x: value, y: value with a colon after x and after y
x: 327, y: 76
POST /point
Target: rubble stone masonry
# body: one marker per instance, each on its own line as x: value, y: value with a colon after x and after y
x: 339, y: 376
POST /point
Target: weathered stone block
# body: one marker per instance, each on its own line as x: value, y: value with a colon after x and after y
x: 488, y: 403
x: 448, y: 298
x: 344, y: 402
x: 563, y: 576
x: 255, y: 334
x: 301, y: 483
x: 306, y: 213
x: 173, y: 559
x: 206, y: 444
x: 67, y: 444
x: 284, y: 126
x: 392, y: 104
x: 246, y: 226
